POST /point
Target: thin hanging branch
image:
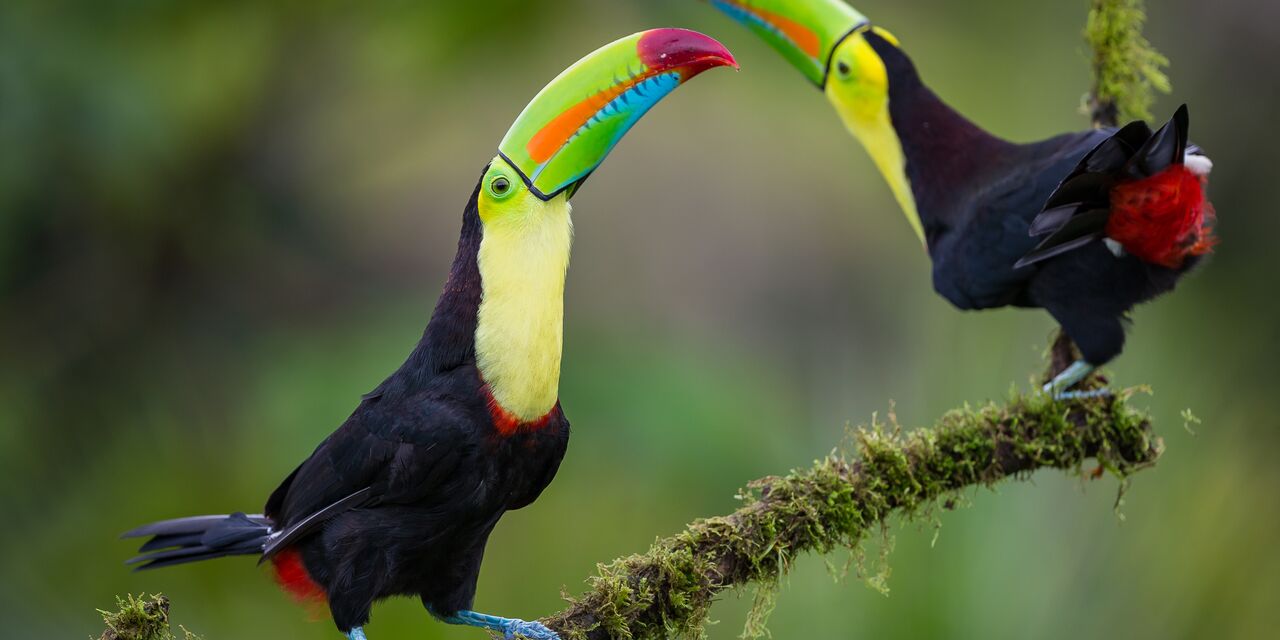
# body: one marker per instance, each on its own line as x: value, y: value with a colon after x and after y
x: 1127, y: 70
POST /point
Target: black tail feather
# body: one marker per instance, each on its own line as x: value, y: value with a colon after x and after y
x: 1077, y: 212
x: 199, y: 538
x: 171, y: 540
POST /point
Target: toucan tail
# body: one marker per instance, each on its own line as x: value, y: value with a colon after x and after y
x: 1139, y: 189
x: 199, y: 538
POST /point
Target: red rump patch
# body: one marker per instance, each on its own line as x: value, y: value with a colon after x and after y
x: 292, y: 576
x: 1164, y: 218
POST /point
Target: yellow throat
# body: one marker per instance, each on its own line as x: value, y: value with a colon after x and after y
x: 861, y: 98
x: 523, y: 258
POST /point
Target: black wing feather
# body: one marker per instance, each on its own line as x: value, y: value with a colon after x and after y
x: 1077, y: 232
x: 309, y: 523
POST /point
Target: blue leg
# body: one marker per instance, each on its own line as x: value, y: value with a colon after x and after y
x: 356, y: 634
x: 508, y: 627
x: 1079, y: 370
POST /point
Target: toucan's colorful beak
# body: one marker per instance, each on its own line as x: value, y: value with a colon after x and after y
x: 805, y: 32
x: 574, y: 122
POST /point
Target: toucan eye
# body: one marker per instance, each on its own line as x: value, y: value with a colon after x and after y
x: 500, y: 186
x: 843, y: 68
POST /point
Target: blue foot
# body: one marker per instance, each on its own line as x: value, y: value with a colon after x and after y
x: 511, y: 628
x: 1079, y: 370
x: 356, y: 634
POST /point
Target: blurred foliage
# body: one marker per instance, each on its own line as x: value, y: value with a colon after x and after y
x: 221, y: 222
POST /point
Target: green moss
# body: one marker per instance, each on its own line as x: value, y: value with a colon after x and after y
x: 145, y: 617
x: 757, y: 624
x: 842, y: 498
x: 1127, y: 69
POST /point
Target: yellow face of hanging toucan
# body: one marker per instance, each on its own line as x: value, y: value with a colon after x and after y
x: 825, y: 40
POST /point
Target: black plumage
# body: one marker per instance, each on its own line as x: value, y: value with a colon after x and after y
x: 401, y: 499
x: 979, y: 198
x: 1080, y: 209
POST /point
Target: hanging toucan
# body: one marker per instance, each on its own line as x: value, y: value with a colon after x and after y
x: 1085, y: 225
x: 401, y: 499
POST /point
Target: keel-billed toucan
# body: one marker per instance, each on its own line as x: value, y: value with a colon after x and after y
x: 402, y: 497
x: 1085, y: 225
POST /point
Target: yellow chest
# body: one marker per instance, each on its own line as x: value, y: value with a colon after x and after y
x: 523, y: 258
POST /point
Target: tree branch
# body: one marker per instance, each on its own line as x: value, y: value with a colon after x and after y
x: 839, y: 500
x: 834, y: 504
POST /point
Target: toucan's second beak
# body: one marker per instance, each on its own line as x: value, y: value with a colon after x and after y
x: 805, y: 32
x: 576, y: 120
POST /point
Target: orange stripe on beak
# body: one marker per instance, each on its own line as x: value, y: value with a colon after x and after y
x: 556, y: 133
x: 804, y: 38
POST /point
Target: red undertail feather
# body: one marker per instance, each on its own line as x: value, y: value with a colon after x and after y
x: 292, y: 576
x: 1164, y: 218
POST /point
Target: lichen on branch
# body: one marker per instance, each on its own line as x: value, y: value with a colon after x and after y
x: 841, y: 499
x: 1127, y: 69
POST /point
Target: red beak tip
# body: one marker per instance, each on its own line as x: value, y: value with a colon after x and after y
x: 726, y: 59
x: 673, y: 48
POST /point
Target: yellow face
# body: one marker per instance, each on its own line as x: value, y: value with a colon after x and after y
x: 523, y: 257
x: 858, y: 88
x: 503, y: 194
x: 858, y: 79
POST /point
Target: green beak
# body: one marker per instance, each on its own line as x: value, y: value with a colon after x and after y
x: 574, y: 122
x: 805, y: 32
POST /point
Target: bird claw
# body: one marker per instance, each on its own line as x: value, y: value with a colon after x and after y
x: 1070, y: 377
x: 532, y: 630
x: 510, y: 628
x: 1080, y: 395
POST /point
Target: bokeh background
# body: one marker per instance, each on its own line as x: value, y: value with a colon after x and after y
x: 222, y: 222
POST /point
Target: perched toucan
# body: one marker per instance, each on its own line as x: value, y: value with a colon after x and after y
x: 401, y: 499
x: 1124, y: 211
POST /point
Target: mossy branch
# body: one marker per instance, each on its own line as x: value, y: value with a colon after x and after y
x: 1127, y: 70
x: 840, y: 500
x: 835, y: 504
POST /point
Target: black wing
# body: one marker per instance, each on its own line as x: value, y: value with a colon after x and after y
x: 300, y: 529
x: 386, y: 452
x: 1077, y: 212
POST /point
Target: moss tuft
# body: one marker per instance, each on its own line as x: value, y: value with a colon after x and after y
x: 145, y: 617
x: 1127, y: 69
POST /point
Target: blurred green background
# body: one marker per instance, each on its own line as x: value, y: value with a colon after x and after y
x: 222, y: 222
